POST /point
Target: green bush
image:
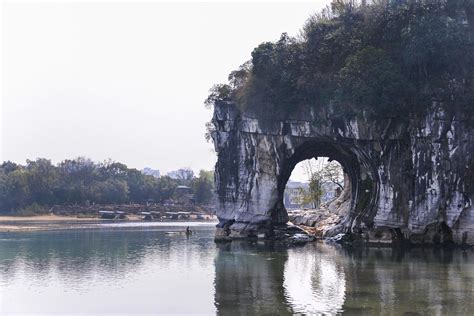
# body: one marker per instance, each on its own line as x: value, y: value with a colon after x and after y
x: 386, y: 57
x: 369, y: 79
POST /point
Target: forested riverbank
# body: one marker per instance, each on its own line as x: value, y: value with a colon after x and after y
x: 83, y: 184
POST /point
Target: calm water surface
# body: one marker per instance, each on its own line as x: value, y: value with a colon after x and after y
x: 155, y: 269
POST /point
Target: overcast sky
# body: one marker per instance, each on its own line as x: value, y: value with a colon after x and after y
x: 125, y: 81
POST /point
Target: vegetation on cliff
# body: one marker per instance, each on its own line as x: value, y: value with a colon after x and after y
x: 40, y: 184
x: 386, y: 57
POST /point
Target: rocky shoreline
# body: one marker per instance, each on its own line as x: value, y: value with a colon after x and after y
x: 292, y: 235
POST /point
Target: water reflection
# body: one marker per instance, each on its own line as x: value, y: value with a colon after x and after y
x: 266, y: 278
x: 419, y: 281
x: 113, y: 271
x: 315, y: 280
x: 159, y: 270
x: 326, y: 279
x: 249, y: 279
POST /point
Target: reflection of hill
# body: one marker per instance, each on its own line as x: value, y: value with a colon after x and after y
x: 249, y: 279
x: 321, y: 278
x: 425, y: 281
x: 150, y: 271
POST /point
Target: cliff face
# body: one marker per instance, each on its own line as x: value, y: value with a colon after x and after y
x: 412, y: 178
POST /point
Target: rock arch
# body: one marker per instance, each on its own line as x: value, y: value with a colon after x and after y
x: 406, y: 173
x: 355, y: 163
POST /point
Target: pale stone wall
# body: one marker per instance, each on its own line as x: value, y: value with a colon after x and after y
x: 409, y: 175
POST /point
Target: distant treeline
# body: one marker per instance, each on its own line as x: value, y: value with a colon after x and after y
x: 33, y: 187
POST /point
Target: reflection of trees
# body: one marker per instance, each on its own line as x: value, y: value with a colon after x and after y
x: 425, y: 281
x: 321, y: 278
x: 115, y: 270
x: 82, y: 254
x: 249, y: 279
x: 77, y: 254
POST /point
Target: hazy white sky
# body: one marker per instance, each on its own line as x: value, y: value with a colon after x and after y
x: 125, y: 80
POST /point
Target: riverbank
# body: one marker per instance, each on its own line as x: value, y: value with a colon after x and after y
x: 130, y: 208
x: 41, y: 218
x: 61, y: 222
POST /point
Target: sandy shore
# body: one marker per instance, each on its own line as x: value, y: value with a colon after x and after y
x: 41, y: 218
x: 40, y: 222
x: 55, y: 218
x: 57, y: 222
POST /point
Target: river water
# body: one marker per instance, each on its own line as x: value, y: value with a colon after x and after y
x: 155, y: 269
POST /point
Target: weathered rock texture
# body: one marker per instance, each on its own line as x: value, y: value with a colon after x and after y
x: 411, y: 176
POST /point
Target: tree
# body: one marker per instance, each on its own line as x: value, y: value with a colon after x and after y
x: 237, y: 78
x: 216, y: 93
x: 332, y: 172
x: 42, y: 179
x: 203, y: 186
x: 4, y: 207
x: 138, y: 190
x: 112, y: 169
x: 75, y: 176
x: 320, y: 171
x: 110, y: 191
x: 18, y: 192
x: 384, y: 57
x: 315, y: 191
x: 40, y: 184
x: 370, y: 79
x: 167, y: 187
x: 8, y: 166
x: 183, y: 175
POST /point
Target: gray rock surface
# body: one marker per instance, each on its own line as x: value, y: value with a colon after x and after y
x: 411, y: 176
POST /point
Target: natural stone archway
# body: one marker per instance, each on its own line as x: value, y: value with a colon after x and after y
x: 339, y: 208
x: 409, y: 175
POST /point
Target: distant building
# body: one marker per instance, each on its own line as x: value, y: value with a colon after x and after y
x: 182, y: 189
x: 151, y: 172
x: 329, y: 191
x: 292, y: 197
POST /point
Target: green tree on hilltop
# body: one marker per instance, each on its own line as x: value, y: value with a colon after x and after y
x: 383, y: 57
